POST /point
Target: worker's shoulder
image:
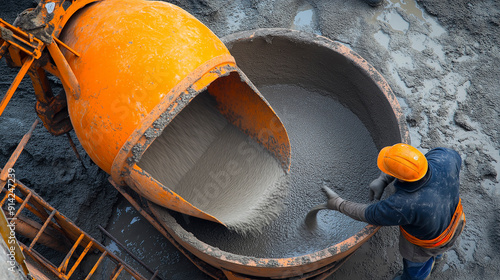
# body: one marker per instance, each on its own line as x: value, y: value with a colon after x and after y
x: 442, y: 151
x: 441, y: 154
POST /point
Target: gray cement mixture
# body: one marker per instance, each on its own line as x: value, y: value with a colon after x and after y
x: 441, y: 59
x: 330, y: 146
x: 217, y: 168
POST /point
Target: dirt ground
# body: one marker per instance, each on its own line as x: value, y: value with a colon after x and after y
x: 442, y: 60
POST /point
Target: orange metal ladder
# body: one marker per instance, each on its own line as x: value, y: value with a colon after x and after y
x: 17, y: 197
x: 51, y: 218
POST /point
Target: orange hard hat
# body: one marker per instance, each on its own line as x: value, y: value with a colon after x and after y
x: 402, y: 161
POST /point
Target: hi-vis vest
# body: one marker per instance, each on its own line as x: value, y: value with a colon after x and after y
x: 456, y: 226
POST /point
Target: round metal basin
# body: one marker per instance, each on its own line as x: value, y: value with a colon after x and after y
x: 295, y: 71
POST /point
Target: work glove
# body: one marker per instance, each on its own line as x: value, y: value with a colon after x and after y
x: 378, y: 186
x: 334, y: 200
x: 349, y: 208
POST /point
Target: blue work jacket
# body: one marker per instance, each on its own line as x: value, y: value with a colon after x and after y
x: 423, y: 208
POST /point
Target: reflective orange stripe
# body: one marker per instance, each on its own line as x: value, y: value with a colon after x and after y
x: 444, y: 237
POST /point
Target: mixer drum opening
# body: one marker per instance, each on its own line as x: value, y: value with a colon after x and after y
x: 203, y: 157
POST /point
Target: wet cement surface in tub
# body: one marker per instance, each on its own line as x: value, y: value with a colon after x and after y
x: 330, y: 146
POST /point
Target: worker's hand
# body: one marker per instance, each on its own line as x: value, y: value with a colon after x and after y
x: 334, y: 200
x: 377, y: 188
x: 378, y: 185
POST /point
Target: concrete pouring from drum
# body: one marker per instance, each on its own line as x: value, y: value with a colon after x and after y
x: 220, y: 170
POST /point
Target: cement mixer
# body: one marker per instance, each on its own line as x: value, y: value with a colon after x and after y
x: 128, y: 68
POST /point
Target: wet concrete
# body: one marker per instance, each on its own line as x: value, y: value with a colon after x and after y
x: 282, y: 56
x: 330, y: 146
x: 217, y: 168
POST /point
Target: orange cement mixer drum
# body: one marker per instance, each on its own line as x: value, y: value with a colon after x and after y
x: 133, y: 53
x: 141, y: 62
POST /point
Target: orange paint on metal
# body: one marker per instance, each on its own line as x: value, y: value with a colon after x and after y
x: 279, y: 268
x: 21, y: 201
x: 3, y: 47
x: 68, y: 79
x: 15, y: 83
x: 22, y: 206
x: 133, y: 53
x: 59, y: 42
x: 58, y: 223
x: 147, y: 186
x: 132, y: 74
x: 52, y: 110
x: 196, y: 81
x: 29, y: 229
x: 33, y: 242
x: 51, y: 68
x: 16, y: 56
x: 20, y: 40
x: 101, y: 258
x: 234, y: 276
x: 197, y: 262
x: 250, y: 112
x: 64, y: 264
x: 206, y: 258
x: 117, y: 273
x: 15, y: 155
x: 80, y: 258
x: 51, y: 20
x: 269, y: 128
x: 122, y: 65
x: 41, y: 84
x: 63, y: 16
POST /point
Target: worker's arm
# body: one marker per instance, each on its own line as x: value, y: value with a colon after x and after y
x: 349, y: 208
x: 378, y: 185
x: 382, y: 213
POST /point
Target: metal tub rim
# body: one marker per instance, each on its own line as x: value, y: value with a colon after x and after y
x: 308, y: 263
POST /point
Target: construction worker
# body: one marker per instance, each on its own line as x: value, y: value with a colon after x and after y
x: 426, y: 204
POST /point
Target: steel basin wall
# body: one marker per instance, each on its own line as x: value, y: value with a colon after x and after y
x: 282, y: 56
